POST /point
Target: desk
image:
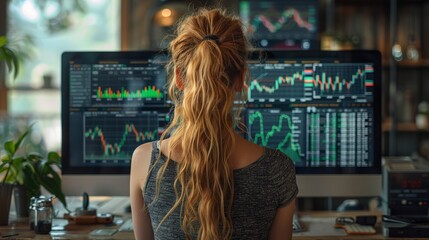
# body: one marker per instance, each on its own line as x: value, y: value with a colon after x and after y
x: 319, y: 225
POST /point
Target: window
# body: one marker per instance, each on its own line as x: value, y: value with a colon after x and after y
x: 41, y: 31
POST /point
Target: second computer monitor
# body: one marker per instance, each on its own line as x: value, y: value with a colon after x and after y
x: 322, y: 109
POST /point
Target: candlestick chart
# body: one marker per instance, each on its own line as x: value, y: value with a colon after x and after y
x: 340, y: 79
x: 307, y: 82
x: 115, y: 138
x: 280, y: 81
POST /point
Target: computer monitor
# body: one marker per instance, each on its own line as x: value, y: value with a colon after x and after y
x: 111, y: 103
x: 321, y: 108
x: 277, y: 24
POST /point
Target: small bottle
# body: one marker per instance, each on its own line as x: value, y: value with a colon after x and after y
x: 32, y: 212
x: 412, y: 50
x: 422, y: 117
x: 43, y: 216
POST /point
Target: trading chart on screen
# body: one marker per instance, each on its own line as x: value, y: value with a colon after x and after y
x: 319, y: 113
x: 281, y: 24
x: 117, y: 101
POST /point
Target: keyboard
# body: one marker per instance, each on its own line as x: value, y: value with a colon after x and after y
x: 127, y: 226
x: 357, y: 229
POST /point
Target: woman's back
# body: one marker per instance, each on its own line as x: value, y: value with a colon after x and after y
x: 260, y: 188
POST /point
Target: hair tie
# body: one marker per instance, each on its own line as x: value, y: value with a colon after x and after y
x: 211, y: 37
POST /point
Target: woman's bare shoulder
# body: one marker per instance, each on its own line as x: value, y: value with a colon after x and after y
x: 140, y: 163
x: 143, y: 148
x: 142, y: 154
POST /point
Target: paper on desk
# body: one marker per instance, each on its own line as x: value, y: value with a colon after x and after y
x: 322, y: 226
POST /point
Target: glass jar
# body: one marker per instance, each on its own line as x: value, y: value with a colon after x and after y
x: 43, y: 216
x: 32, y: 212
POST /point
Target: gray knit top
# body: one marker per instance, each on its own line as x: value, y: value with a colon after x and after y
x: 259, y: 189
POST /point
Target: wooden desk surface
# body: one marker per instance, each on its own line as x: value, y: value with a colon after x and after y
x: 19, y: 229
x: 319, y: 225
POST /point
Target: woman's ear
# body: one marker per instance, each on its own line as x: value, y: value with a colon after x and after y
x: 178, y: 80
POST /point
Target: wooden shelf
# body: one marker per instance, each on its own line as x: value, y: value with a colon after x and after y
x: 402, y: 127
x: 31, y: 89
x: 422, y: 63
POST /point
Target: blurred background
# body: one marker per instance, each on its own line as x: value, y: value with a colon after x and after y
x: 41, y: 30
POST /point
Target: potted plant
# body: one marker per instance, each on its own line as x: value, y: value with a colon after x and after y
x: 11, y: 60
x: 28, y: 172
x: 31, y: 171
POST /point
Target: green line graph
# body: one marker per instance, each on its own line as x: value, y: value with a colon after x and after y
x: 275, y: 129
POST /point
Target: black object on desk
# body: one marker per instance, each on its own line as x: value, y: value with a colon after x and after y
x: 370, y: 220
x: 398, y: 229
x: 405, y: 194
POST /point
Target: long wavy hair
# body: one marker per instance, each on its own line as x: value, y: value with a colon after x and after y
x: 205, y: 76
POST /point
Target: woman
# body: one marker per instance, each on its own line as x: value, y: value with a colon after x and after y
x: 202, y: 180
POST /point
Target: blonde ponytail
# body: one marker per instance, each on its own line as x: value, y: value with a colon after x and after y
x: 209, y: 56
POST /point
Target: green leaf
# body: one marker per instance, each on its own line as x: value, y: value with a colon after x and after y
x: 3, y: 167
x: 18, y: 143
x: 17, y: 67
x: 3, y: 41
x: 31, y: 180
x: 8, y: 58
x: 54, y: 187
x: 29, y: 166
x: 34, y: 157
x: 14, y: 63
x: 5, y: 159
x: 54, y: 157
x: 10, y: 148
x: 19, y: 178
x: 17, y: 162
x: 4, y: 56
